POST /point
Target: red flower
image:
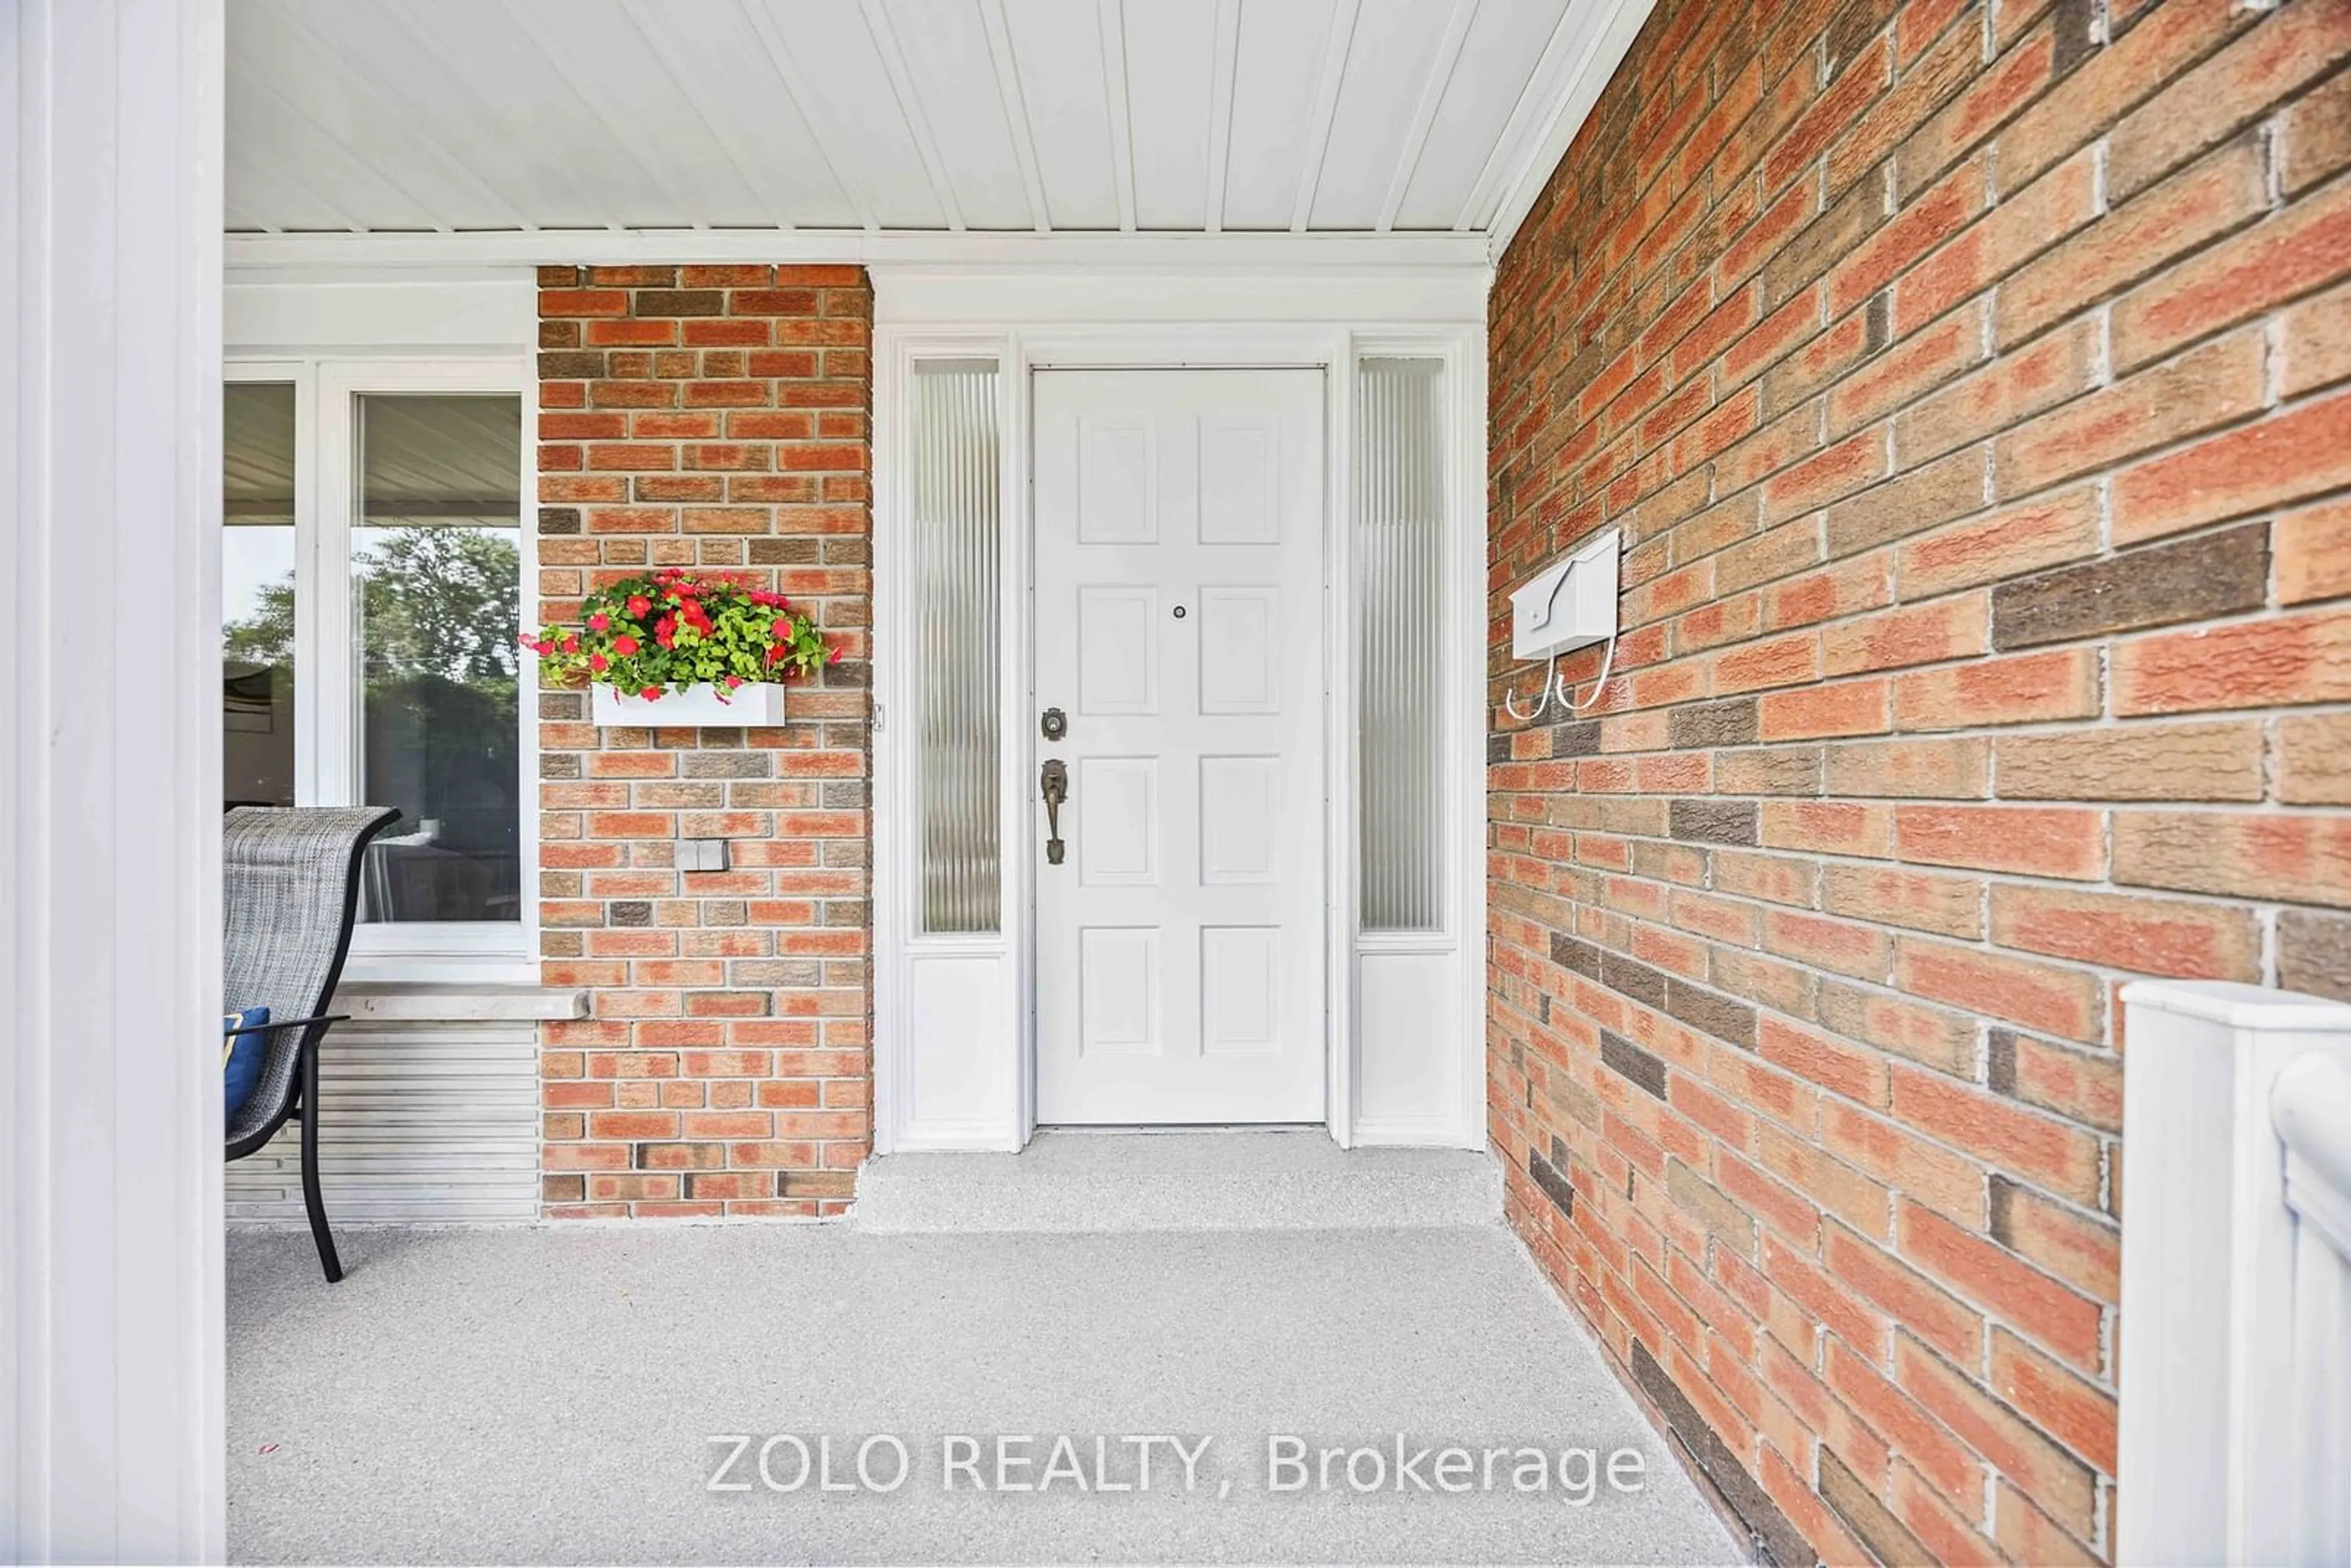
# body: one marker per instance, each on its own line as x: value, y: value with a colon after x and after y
x: 598, y: 622
x: 626, y: 646
x: 782, y: 628
x: 639, y: 604
x: 833, y: 657
x: 734, y: 681
x: 650, y: 693
x: 597, y: 662
x: 666, y: 630
x: 774, y: 654
x: 571, y: 644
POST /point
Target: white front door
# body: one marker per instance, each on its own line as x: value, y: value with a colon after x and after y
x: 1179, y: 631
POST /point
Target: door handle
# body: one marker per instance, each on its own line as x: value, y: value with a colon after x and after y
x: 1054, y: 781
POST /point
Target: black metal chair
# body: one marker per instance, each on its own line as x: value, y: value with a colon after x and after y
x: 290, y: 889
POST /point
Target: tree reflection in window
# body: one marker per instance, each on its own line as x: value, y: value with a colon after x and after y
x: 438, y: 612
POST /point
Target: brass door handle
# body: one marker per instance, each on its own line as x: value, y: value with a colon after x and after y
x: 1054, y: 781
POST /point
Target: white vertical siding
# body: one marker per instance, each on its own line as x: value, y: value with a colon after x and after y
x: 110, y: 1301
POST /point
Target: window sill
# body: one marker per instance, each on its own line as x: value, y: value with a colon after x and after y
x: 464, y: 1001
x: 377, y: 966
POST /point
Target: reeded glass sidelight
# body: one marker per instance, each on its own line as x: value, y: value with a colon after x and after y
x: 1400, y: 632
x: 956, y: 545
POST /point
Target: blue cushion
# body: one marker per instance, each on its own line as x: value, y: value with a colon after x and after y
x: 242, y: 1056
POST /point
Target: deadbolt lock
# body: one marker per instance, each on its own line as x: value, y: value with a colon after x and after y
x: 1056, y: 724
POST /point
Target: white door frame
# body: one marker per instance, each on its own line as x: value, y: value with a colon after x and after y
x: 954, y: 1016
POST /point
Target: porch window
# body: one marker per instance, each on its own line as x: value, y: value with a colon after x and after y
x: 257, y: 594
x: 436, y: 608
x: 372, y: 598
x: 955, y: 546
x: 1400, y: 606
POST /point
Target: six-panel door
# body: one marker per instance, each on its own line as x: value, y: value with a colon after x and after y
x: 1179, y: 625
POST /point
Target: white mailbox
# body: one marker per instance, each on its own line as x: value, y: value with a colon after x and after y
x: 1569, y: 604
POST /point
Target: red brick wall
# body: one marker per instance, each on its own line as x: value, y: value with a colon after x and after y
x: 713, y: 416
x: 1969, y: 385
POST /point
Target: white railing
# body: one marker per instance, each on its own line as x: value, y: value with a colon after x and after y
x: 2235, y: 1358
x: 2311, y: 1105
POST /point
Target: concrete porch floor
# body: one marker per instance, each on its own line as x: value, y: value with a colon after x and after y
x: 545, y: 1394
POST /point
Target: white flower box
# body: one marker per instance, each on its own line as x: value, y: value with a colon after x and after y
x: 756, y: 705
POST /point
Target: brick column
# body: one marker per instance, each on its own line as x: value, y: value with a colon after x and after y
x: 717, y: 417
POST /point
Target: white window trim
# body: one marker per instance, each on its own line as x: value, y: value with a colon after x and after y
x: 325, y: 756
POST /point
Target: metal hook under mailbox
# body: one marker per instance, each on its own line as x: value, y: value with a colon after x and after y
x: 1554, y: 689
x: 1542, y: 698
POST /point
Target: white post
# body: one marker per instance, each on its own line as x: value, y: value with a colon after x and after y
x: 2207, y: 1365
x: 110, y: 1331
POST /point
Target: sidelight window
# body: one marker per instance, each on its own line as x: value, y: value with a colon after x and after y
x: 1400, y: 628
x: 957, y: 542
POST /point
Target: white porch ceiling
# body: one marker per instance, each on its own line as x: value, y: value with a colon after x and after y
x: 915, y: 117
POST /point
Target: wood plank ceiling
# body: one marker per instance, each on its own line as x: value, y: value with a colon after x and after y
x: 1362, y: 117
